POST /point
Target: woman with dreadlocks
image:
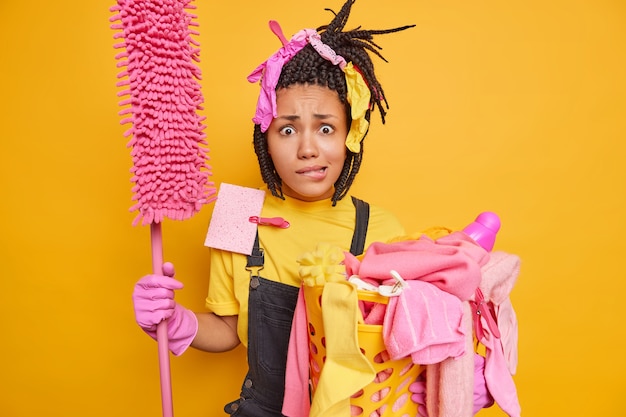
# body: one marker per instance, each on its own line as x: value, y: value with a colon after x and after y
x: 317, y: 94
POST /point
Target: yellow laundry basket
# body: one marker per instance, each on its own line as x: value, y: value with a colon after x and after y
x: 388, y: 395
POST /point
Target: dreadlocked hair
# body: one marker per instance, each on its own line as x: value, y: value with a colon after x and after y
x: 307, y: 67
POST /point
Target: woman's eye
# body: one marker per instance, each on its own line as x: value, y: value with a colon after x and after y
x: 327, y: 130
x: 287, y: 131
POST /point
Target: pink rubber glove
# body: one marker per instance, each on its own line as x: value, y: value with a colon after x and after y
x: 418, y: 394
x: 482, y: 397
x: 153, y: 301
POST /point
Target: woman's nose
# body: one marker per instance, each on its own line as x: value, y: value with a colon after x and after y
x: 308, y: 146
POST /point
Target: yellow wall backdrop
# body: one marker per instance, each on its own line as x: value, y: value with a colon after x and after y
x: 513, y: 106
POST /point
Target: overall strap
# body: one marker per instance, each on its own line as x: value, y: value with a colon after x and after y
x: 256, y: 260
x: 360, y: 227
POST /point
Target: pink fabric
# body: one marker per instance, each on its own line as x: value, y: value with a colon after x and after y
x: 424, y: 322
x: 418, y: 394
x: 499, y: 276
x: 269, y: 72
x: 498, y: 279
x: 499, y: 380
x: 450, y: 384
x: 447, y: 380
x: 452, y: 263
x: 373, y: 313
x: 451, y: 390
x: 507, y: 322
x: 482, y: 398
x: 296, y: 401
x: 326, y: 51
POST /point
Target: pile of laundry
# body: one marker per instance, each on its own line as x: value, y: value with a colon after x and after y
x: 448, y: 298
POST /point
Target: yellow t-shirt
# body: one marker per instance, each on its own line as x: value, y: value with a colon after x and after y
x: 311, y: 223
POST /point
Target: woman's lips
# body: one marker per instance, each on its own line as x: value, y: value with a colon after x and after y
x: 316, y: 172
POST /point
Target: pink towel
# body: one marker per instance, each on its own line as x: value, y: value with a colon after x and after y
x: 425, y: 323
x: 499, y: 276
x: 451, y: 263
x: 450, y: 383
x: 296, y: 400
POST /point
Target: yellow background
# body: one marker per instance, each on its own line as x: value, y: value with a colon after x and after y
x: 512, y: 106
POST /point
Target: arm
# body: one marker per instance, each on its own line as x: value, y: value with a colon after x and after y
x: 216, y: 333
x: 153, y: 301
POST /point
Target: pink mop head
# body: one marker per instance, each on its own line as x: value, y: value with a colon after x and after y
x: 169, y: 159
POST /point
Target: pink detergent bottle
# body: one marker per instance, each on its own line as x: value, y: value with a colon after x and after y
x: 484, y: 229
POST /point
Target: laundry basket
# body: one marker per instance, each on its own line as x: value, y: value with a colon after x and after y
x: 388, y: 395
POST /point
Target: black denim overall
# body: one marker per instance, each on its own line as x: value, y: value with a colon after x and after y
x: 270, y: 311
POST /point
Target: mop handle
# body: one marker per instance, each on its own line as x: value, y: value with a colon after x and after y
x: 156, y: 238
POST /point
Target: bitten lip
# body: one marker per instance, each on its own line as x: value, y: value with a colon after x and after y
x: 311, y: 169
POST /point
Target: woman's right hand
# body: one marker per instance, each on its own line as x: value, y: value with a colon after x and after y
x: 153, y: 298
x: 153, y: 302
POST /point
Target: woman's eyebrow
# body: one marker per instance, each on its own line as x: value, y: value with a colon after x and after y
x: 292, y: 117
x: 289, y: 117
x: 324, y: 116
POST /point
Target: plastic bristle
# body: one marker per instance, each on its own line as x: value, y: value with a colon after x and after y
x: 170, y: 170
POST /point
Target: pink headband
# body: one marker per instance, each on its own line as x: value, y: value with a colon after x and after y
x: 269, y: 72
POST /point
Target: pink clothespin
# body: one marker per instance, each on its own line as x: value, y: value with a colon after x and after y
x: 481, y: 308
x: 269, y: 221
